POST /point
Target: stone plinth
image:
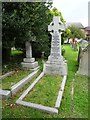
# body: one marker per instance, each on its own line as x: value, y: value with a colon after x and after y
x: 56, y: 67
x: 31, y: 65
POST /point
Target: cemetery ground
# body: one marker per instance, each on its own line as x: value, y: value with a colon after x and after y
x: 72, y: 105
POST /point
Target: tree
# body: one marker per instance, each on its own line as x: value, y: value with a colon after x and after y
x: 55, y: 12
x: 21, y: 21
x: 65, y: 35
x: 76, y: 32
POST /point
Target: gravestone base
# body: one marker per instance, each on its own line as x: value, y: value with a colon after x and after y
x: 29, y: 63
x: 56, y: 66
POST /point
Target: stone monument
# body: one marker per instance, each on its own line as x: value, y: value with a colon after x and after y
x: 29, y: 62
x: 84, y: 68
x: 56, y: 63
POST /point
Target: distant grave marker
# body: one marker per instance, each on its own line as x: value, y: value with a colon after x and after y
x: 29, y: 62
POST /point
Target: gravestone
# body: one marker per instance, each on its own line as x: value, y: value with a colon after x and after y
x: 29, y: 62
x: 56, y: 63
x: 84, y: 68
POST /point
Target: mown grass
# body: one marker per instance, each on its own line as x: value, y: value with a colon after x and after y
x: 46, y: 91
x: 80, y: 97
x: 14, y: 78
x: 12, y: 110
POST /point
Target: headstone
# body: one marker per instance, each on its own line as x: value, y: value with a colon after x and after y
x: 29, y: 62
x: 56, y: 63
x: 84, y: 68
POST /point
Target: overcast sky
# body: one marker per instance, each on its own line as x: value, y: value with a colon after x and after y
x: 73, y: 10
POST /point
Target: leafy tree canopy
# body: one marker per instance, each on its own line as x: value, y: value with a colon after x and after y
x: 55, y: 12
x: 24, y: 21
x: 75, y: 32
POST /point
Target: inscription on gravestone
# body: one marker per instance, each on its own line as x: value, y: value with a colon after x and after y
x: 55, y: 46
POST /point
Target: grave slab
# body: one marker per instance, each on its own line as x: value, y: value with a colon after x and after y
x: 84, y: 61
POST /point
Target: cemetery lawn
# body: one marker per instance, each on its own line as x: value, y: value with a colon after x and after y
x: 46, y: 91
x: 80, y: 103
x: 80, y: 96
x: 9, y: 81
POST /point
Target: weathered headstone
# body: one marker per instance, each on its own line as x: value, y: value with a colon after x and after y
x: 29, y: 62
x: 84, y: 68
x: 56, y: 63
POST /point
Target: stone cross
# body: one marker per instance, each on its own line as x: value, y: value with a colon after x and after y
x: 28, y: 49
x: 56, y: 25
x: 56, y: 28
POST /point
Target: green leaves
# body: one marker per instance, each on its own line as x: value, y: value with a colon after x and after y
x: 76, y: 32
x: 24, y: 21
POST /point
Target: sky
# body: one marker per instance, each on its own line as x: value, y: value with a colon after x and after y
x: 73, y: 10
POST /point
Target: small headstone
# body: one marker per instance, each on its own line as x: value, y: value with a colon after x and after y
x: 29, y: 62
x: 56, y: 63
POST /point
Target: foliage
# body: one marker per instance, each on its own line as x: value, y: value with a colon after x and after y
x: 24, y: 21
x: 65, y: 35
x: 55, y: 12
x: 76, y: 32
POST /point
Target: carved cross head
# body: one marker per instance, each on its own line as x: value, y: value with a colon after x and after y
x: 56, y: 25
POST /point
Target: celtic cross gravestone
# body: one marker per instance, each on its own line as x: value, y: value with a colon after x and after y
x: 56, y: 63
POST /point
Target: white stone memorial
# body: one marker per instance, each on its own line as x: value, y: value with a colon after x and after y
x: 29, y: 62
x: 56, y: 63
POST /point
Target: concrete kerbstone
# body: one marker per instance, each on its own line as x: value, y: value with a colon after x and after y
x: 6, y: 75
x: 60, y: 94
x: 4, y: 94
x: 38, y: 106
x: 31, y: 86
x: 22, y: 83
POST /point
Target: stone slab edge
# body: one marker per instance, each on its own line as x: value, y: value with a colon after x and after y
x: 60, y: 94
x: 38, y: 106
x: 15, y: 88
x: 6, y: 75
x: 4, y: 94
x: 31, y: 86
x: 34, y: 69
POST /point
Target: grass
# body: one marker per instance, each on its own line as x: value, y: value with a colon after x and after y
x: 46, y: 91
x: 81, y: 96
x: 12, y: 110
x: 14, y: 78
